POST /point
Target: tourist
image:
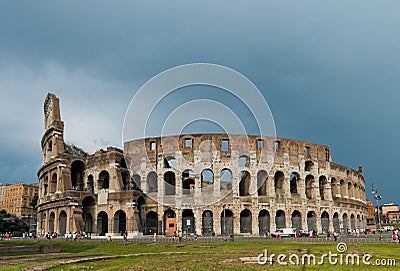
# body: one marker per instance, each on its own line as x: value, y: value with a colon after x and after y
x: 336, y: 235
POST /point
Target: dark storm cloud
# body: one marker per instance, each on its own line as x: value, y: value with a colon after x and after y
x: 329, y: 69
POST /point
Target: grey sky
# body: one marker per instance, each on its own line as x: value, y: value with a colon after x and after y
x: 328, y: 69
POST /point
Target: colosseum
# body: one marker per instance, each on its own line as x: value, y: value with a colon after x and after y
x: 226, y: 184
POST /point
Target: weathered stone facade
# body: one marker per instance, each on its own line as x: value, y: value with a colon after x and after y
x: 171, y: 178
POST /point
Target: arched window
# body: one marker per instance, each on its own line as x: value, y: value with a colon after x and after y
x: 226, y: 180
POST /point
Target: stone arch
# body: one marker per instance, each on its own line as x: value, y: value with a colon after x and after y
x: 227, y: 222
x: 188, y: 221
x: 125, y: 180
x: 244, y: 184
x: 169, y: 162
x: 312, y: 220
x: 136, y: 181
x: 88, y: 211
x: 77, y: 174
x: 169, y: 222
x: 151, y: 223
x: 345, y: 222
x: 262, y: 177
x: 352, y: 221
x: 119, y: 221
x: 325, y: 222
x: 52, y: 218
x: 264, y: 221
x: 207, y: 222
x: 152, y: 182
x: 358, y: 221
x: 102, y: 223
x: 104, y: 180
x: 245, y: 221
x: 90, y: 183
x: 343, y: 189
x: 280, y: 219
x: 53, y: 183
x: 336, y: 222
x: 279, y: 180
x: 335, y: 188
x: 169, y: 183
x: 243, y: 161
x: 309, y: 183
x: 207, y: 179
x: 323, y: 183
x: 297, y: 221
x: 62, y: 222
x: 294, y: 182
x: 226, y: 180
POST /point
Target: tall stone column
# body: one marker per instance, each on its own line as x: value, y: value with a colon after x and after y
x: 254, y: 223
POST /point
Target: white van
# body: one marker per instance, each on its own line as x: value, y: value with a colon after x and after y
x: 284, y: 232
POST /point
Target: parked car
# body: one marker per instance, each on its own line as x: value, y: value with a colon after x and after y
x: 283, y: 232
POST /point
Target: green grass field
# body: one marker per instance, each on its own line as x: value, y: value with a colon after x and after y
x: 190, y: 256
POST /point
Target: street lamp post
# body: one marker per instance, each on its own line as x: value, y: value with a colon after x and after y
x: 377, y: 199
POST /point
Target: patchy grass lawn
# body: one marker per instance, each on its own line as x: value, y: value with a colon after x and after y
x: 194, y: 256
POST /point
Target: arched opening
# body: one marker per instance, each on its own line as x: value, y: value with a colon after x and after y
x: 207, y: 223
x: 309, y: 186
x: 207, y: 179
x: 151, y: 224
x: 125, y: 180
x: 279, y: 180
x: 104, y: 180
x: 169, y: 183
x: 243, y: 161
x: 226, y: 222
x: 262, y: 177
x: 102, y: 223
x: 244, y: 184
x: 88, y: 210
x: 135, y: 182
x: 52, y: 218
x: 335, y: 188
x: 352, y: 221
x: 188, y: 186
x: 77, y: 173
x: 170, y: 222
x: 45, y: 186
x: 296, y: 221
x: 141, y: 204
x: 169, y: 162
x: 312, y: 220
x: 345, y: 222
x: 152, y: 182
x: 90, y: 183
x: 325, y: 222
x: 358, y: 222
x: 322, y: 186
x: 336, y: 222
x: 226, y: 180
x: 280, y: 219
x: 119, y: 222
x: 343, y: 189
x: 245, y: 221
x: 62, y: 220
x: 308, y: 166
x: 53, y: 183
x: 294, y: 179
x: 264, y: 219
x: 188, y: 221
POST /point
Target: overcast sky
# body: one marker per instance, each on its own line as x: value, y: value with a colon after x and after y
x: 328, y: 69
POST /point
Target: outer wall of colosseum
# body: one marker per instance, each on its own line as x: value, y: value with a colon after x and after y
x: 171, y: 178
x: 302, y: 188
